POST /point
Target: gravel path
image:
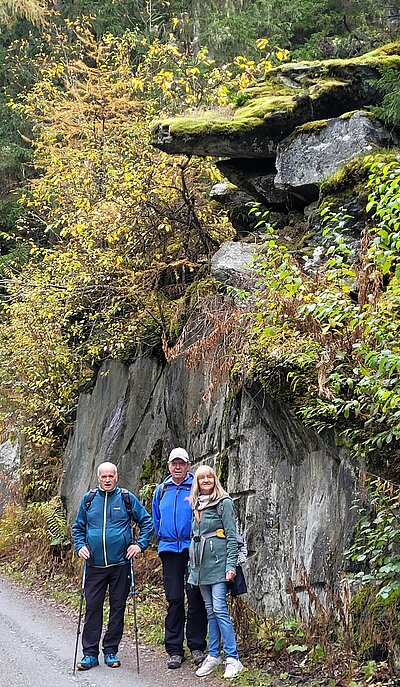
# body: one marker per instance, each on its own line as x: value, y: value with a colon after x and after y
x: 38, y: 642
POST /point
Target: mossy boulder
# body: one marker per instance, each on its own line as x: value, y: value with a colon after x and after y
x: 291, y: 95
x: 317, y: 149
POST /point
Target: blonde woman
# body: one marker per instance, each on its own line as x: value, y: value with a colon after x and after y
x: 212, y: 563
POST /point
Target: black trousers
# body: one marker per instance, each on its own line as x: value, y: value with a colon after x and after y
x: 175, y: 573
x: 117, y: 579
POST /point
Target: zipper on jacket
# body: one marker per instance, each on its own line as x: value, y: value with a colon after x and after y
x: 175, y: 510
x: 104, y: 528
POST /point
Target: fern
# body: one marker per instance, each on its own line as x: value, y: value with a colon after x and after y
x: 389, y: 87
x: 54, y: 515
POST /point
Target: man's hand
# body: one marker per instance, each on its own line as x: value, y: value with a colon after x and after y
x: 132, y: 551
x: 84, y: 553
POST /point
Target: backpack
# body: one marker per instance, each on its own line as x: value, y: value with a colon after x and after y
x: 238, y: 585
x: 125, y: 495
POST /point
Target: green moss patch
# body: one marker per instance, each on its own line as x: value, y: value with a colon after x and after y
x: 354, y: 173
x: 325, y: 85
x: 375, y: 624
x: 251, y: 115
x: 381, y: 57
x: 262, y: 108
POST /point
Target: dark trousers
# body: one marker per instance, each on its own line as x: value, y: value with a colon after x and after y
x: 175, y: 572
x: 117, y: 579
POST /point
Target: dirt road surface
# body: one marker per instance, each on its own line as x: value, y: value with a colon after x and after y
x: 38, y: 642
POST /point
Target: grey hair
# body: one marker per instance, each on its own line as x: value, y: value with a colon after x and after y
x: 108, y: 465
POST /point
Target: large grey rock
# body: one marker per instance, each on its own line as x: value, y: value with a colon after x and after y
x: 310, y: 157
x: 231, y: 264
x: 293, y: 490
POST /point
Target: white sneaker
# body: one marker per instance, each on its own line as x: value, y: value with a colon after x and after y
x: 209, y: 664
x: 233, y: 667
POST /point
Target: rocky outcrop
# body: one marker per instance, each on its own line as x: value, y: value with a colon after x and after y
x: 293, y: 490
x: 287, y: 136
x: 290, y: 96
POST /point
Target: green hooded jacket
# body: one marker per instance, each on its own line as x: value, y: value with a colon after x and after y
x: 213, y: 549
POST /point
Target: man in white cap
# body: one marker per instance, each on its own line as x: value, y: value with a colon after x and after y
x: 172, y: 516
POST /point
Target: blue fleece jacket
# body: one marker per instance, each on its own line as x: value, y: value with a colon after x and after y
x: 105, y: 527
x: 172, y: 514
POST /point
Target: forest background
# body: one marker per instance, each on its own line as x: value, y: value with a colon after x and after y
x: 93, y: 219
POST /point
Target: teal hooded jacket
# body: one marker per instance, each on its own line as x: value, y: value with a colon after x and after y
x: 105, y: 527
x: 213, y: 549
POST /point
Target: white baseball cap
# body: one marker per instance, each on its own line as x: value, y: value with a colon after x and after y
x: 178, y: 453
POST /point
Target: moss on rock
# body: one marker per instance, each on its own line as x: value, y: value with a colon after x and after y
x: 375, y: 624
x: 354, y: 173
x: 291, y: 95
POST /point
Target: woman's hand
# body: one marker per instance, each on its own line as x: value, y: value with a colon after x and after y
x: 230, y: 575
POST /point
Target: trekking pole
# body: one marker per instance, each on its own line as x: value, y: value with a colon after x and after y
x: 78, y: 632
x: 135, y: 629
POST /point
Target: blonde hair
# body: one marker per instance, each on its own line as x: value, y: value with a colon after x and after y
x: 217, y: 492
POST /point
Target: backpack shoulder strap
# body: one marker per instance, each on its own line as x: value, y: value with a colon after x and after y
x: 92, y: 493
x: 172, y: 485
x: 127, y: 501
x: 162, y: 491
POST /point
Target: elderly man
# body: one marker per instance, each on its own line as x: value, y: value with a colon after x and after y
x: 102, y: 535
x: 172, y: 516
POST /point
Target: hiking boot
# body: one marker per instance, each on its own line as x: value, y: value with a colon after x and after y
x: 87, y: 662
x: 198, y: 656
x: 112, y: 661
x: 233, y: 667
x: 175, y: 661
x: 208, y: 665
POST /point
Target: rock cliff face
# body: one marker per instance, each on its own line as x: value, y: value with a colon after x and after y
x: 284, y: 147
x: 293, y: 491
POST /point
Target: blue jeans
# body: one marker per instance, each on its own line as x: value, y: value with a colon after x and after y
x: 219, y: 621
